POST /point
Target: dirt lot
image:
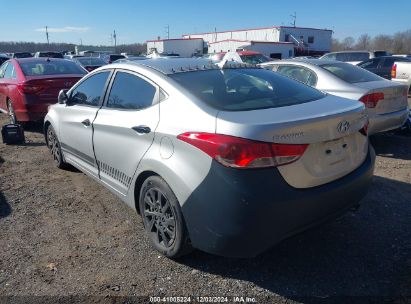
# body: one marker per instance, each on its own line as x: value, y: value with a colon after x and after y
x: 62, y: 234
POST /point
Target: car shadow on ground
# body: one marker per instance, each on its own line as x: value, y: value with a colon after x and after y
x: 392, y: 145
x: 362, y: 254
x: 5, y: 209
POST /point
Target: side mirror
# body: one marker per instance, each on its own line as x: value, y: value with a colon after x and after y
x: 63, y: 98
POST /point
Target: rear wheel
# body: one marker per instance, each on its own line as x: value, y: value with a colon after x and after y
x: 54, y: 146
x: 12, y: 113
x: 163, y: 219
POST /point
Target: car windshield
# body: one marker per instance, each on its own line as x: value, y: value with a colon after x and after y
x: 40, y: 68
x: 354, y: 56
x: 245, y: 89
x: 90, y: 61
x: 350, y: 73
x: 254, y: 58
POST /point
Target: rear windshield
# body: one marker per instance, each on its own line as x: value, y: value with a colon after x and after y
x: 254, y: 59
x: 115, y: 57
x: 51, y: 55
x: 22, y: 55
x: 245, y: 89
x: 355, y: 56
x: 350, y: 73
x: 60, y: 67
x: 90, y: 61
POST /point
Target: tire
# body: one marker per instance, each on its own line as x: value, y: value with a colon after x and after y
x: 163, y: 219
x: 54, y: 146
x: 12, y: 113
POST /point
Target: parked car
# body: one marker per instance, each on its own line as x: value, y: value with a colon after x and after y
x: 354, y: 57
x: 48, y: 54
x: 71, y: 56
x: 249, y: 57
x: 401, y: 73
x: 90, y: 63
x: 259, y: 157
x: 131, y: 58
x: 112, y: 57
x: 386, y: 102
x: 29, y: 85
x: 403, y: 55
x: 21, y: 55
x: 3, y: 58
x: 382, y: 66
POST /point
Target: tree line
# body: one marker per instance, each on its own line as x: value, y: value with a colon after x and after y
x: 32, y: 47
x: 398, y: 43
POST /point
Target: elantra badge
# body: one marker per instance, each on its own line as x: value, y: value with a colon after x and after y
x: 343, y: 126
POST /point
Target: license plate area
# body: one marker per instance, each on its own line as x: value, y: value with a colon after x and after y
x: 336, y: 151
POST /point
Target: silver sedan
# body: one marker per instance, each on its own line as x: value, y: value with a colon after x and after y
x: 386, y: 101
x: 228, y: 160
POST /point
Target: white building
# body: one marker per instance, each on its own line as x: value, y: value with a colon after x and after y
x: 305, y: 41
x: 185, y: 47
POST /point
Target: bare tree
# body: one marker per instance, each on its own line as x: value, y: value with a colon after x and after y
x: 347, y: 43
x: 364, y: 42
x: 382, y: 42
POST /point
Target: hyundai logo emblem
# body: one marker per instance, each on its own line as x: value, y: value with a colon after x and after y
x: 343, y: 126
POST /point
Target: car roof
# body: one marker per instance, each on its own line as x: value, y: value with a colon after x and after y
x: 317, y: 62
x: 39, y: 59
x: 169, y: 66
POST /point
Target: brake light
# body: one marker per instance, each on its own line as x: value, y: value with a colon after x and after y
x: 371, y: 100
x: 237, y: 152
x: 394, y: 71
x: 30, y: 88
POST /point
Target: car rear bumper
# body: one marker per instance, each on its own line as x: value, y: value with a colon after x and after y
x: 241, y: 213
x: 35, y: 112
x: 387, y: 122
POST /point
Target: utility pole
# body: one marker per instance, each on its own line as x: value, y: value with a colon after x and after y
x: 115, y: 41
x: 294, y: 19
x: 47, y: 35
x: 168, y: 31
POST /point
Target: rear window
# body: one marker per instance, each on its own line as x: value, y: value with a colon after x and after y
x: 90, y: 61
x: 245, y: 89
x: 254, y: 59
x: 22, y: 55
x: 51, y: 55
x: 381, y: 53
x: 115, y: 57
x: 355, y: 56
x: 350, y: 73
x: 60, y: 67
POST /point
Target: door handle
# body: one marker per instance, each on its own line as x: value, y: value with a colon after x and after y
x: 142, y: 129
x: 86, y: 122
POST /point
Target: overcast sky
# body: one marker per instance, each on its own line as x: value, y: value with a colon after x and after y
x: 92, y: 22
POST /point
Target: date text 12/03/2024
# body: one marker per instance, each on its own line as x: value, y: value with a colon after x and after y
x: 203, y: 299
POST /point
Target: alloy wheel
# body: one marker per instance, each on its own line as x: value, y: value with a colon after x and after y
x: 159, y: 217
x: 53, y: 144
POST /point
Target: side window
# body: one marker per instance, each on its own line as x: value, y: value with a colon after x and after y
x: 3, y: 69
x: 131, y: 92
x: 310, y: 39
x: 8, y: 74
x: 90, y: 91
x: 299, y: 73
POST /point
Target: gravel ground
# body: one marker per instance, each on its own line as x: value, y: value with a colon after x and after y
x: 62, y: 234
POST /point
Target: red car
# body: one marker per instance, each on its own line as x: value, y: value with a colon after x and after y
x: 29, y: 85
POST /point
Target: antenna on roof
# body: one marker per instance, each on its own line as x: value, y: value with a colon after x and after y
x: 294, y: 19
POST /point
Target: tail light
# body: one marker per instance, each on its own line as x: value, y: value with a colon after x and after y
x: 371, y: 100
x: 243, y: 153
x: 30, y: 88
x: 394, y: 71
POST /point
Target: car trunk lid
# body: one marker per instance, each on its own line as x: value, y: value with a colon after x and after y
x: 329, y: 125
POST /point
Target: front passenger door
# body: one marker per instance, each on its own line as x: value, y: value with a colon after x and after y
x: 76, y: 131
x: 124, y: 128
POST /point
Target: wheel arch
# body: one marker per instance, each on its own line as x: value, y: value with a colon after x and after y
x: 47, y: 124
x: 138, y: 184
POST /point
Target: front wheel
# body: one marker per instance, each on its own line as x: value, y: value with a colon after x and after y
x: 55, y: 149
x: 163, y: 219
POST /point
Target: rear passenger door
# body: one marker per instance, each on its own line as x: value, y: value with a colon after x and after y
x: 124, y: 128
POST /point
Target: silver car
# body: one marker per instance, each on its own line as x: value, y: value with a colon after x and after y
x: 386, y: 101
x: 228, y: 160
